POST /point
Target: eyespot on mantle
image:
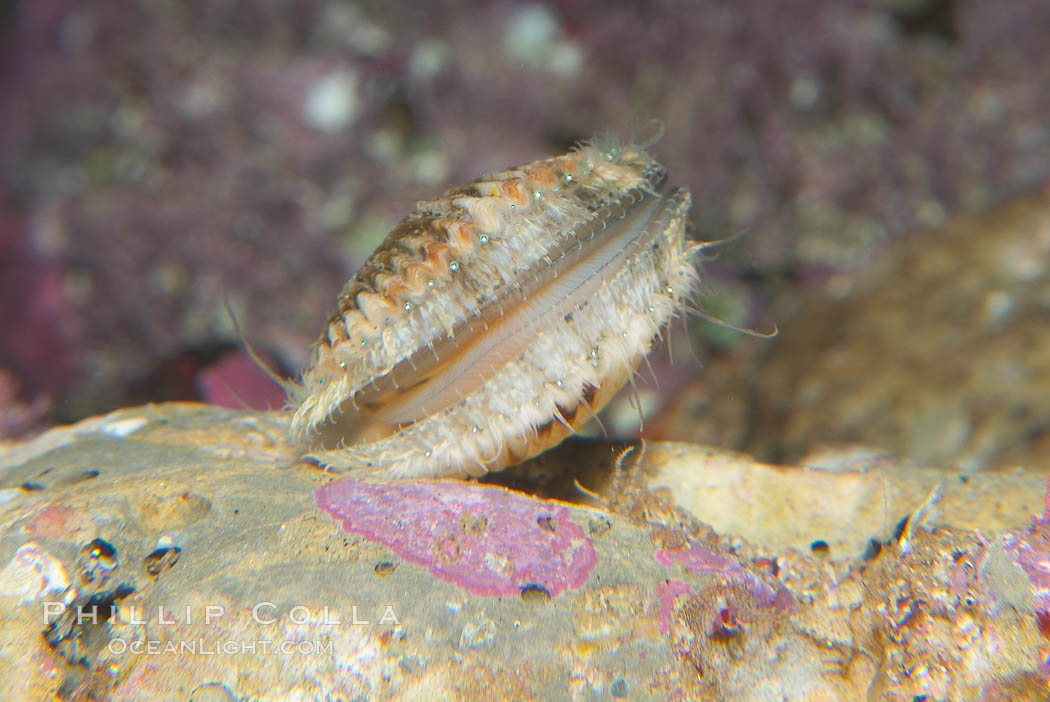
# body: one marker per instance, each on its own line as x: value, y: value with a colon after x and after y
x: 497, y: 318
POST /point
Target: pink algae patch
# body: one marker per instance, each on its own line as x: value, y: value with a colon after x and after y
x: 1031, y: 551
x: 668, y: 592
x: 488, y: 540
x: 697, y: 558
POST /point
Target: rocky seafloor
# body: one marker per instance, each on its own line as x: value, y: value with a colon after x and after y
x: 153, y: 158
x: 179, y: 552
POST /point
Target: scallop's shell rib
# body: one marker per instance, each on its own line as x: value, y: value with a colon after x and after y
x: 496, y: 319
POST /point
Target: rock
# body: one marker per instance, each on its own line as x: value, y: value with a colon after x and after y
x: 939, y: 352
x: 218, y: 566
x: 844, y: 501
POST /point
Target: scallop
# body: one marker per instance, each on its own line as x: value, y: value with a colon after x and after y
x: 497, y: 318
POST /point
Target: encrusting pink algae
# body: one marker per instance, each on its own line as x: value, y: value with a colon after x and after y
x: 488, y: 540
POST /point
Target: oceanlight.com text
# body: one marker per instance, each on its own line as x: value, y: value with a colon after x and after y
x: 228, y: 647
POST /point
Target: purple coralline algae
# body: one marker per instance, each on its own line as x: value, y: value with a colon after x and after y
x: 697, y: 558
x: 668, y: 592
x: 488, y: 540
x: 735, y: 584
x: 1031, y: 551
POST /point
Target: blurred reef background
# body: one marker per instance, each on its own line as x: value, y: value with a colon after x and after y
x: 156, y: 154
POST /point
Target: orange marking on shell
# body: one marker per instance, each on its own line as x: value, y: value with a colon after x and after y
x: 485, y: 212
x: 565, y: 165
x: 395, y: 290
x: 336, y: 331
x: 516, y: 192
x: 488, y: 188
x: 543, y: 178
x: 550, y: 176
x: 383, y: 281
x: 461, y: 236
x: 416, y: 276
x: 374, y: 307
x: 438, y: 258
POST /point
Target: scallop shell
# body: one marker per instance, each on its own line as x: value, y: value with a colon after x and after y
x: 496, y: 319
